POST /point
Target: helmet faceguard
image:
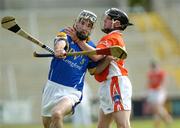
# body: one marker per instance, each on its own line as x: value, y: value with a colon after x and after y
x: 119, y: 15
x: 85, y: 14
x: 90, y: 17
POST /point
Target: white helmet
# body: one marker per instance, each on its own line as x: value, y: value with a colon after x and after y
x: 85, y: 14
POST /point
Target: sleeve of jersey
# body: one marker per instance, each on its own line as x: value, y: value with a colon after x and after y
x: 62, y: 36
x: 104, y: 44
x: 111, y: 42
x: 91, y: 44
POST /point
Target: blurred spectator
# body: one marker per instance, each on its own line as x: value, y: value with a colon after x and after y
x: 156, y: 95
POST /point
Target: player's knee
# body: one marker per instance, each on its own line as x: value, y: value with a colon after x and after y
x: 46, y: 123
x: 99, y: 126
x: 103, y: 125
x: 57, y: 115
x: 124, y: 124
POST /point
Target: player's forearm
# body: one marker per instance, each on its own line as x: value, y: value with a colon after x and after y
x: 103, y: 64
x: 60, y: 45
x: 59, y: 48
x: 84, y: 46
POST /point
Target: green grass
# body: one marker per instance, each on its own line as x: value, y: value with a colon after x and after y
x: 134, y: 123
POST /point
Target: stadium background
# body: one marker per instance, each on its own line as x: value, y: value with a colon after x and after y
x: 155, y: 35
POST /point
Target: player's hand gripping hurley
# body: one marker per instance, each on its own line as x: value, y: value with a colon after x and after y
x: 10, y: 24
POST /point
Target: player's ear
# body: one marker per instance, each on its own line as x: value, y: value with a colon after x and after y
x: 117, y: 23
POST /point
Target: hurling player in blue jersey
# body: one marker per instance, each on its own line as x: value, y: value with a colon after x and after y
x: 63, y: 90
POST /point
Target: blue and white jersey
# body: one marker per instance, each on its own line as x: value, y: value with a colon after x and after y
x: 71, y: 70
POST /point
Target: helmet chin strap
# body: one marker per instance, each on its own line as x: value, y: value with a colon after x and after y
x: 108, y: 30
x: 112, y: 25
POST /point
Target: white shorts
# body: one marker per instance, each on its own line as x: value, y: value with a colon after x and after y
x: 115, y: 94
x: 156, y: 96
x: 53, y: 93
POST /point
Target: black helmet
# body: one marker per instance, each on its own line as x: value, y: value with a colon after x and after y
x: 117, y: 14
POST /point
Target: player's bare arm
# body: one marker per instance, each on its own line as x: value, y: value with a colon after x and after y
x: 59, y: 49
x: 103, y: 63
x: 82, y: 44
x: 60, y: 44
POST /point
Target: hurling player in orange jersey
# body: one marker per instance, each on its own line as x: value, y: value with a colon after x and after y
x: 115, y: 87
x: 156, y: 96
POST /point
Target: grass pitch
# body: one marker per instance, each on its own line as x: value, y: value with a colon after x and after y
x: 139, y: 123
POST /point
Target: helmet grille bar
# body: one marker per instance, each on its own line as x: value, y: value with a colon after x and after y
x: 88, y: 15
